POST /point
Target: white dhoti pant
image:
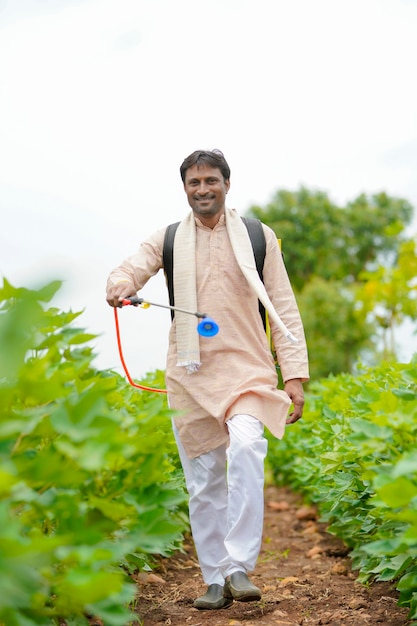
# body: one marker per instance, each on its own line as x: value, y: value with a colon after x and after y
x: 226, y: 505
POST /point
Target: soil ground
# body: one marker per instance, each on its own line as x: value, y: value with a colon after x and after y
x: 304, y: 574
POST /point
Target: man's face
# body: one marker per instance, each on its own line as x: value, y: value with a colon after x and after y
x: 206, y: 192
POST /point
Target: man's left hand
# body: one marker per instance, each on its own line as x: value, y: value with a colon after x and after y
x: 294, y: 388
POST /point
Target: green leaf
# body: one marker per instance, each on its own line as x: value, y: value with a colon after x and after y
x: 398, y: 493
x: 405, y: 394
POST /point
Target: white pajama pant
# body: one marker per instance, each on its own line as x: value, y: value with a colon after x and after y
x: 226, y: 505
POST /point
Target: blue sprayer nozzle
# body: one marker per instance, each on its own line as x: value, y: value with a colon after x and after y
x: 207, y: 327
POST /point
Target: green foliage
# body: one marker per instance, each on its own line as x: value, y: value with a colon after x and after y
x: 89, y: 486
x: 336, y: 329
x: 351, y: 266
x: 332, y: 242
x: 353, y: 454
x: 389, y: 294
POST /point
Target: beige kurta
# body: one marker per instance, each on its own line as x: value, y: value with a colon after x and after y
x: 237, y: 373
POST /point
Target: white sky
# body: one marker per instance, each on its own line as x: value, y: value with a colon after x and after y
x: 100, y: 101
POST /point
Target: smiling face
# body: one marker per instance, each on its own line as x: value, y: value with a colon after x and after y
x: 206, y: 192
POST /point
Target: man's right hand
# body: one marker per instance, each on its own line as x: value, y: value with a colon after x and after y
x: 117, y: 293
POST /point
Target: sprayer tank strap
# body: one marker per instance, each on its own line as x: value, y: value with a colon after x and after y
x: 257, y: 237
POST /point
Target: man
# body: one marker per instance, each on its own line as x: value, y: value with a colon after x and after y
x: 224, y: 387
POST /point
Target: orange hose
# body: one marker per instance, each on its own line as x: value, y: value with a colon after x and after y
x: 128, y: 376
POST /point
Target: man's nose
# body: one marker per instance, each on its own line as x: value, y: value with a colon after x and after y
x: 202, y: 188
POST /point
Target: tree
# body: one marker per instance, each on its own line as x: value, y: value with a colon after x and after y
x: 335, y: 243
x: 331, y: 253
x: 336, y: 328
x: 389, y: 295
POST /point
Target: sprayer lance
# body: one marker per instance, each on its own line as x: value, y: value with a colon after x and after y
x: 135, y: 300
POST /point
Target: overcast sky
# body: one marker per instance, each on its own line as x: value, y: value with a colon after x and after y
x: 100, y: 101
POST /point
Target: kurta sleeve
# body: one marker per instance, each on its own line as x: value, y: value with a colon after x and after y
x: 292, y: 357
x: 138, y: 268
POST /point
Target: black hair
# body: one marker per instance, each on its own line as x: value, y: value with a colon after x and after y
x: 213, y: 158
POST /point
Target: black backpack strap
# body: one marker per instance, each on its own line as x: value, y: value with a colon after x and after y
x: 168, y: 261
x: 257, y: 237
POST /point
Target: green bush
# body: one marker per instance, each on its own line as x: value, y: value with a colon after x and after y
x: 89, y: 485
x: 354, y: 455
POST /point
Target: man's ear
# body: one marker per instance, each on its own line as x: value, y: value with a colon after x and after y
x: 227, y: 184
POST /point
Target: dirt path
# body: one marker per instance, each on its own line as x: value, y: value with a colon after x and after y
x: 303, y: 572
